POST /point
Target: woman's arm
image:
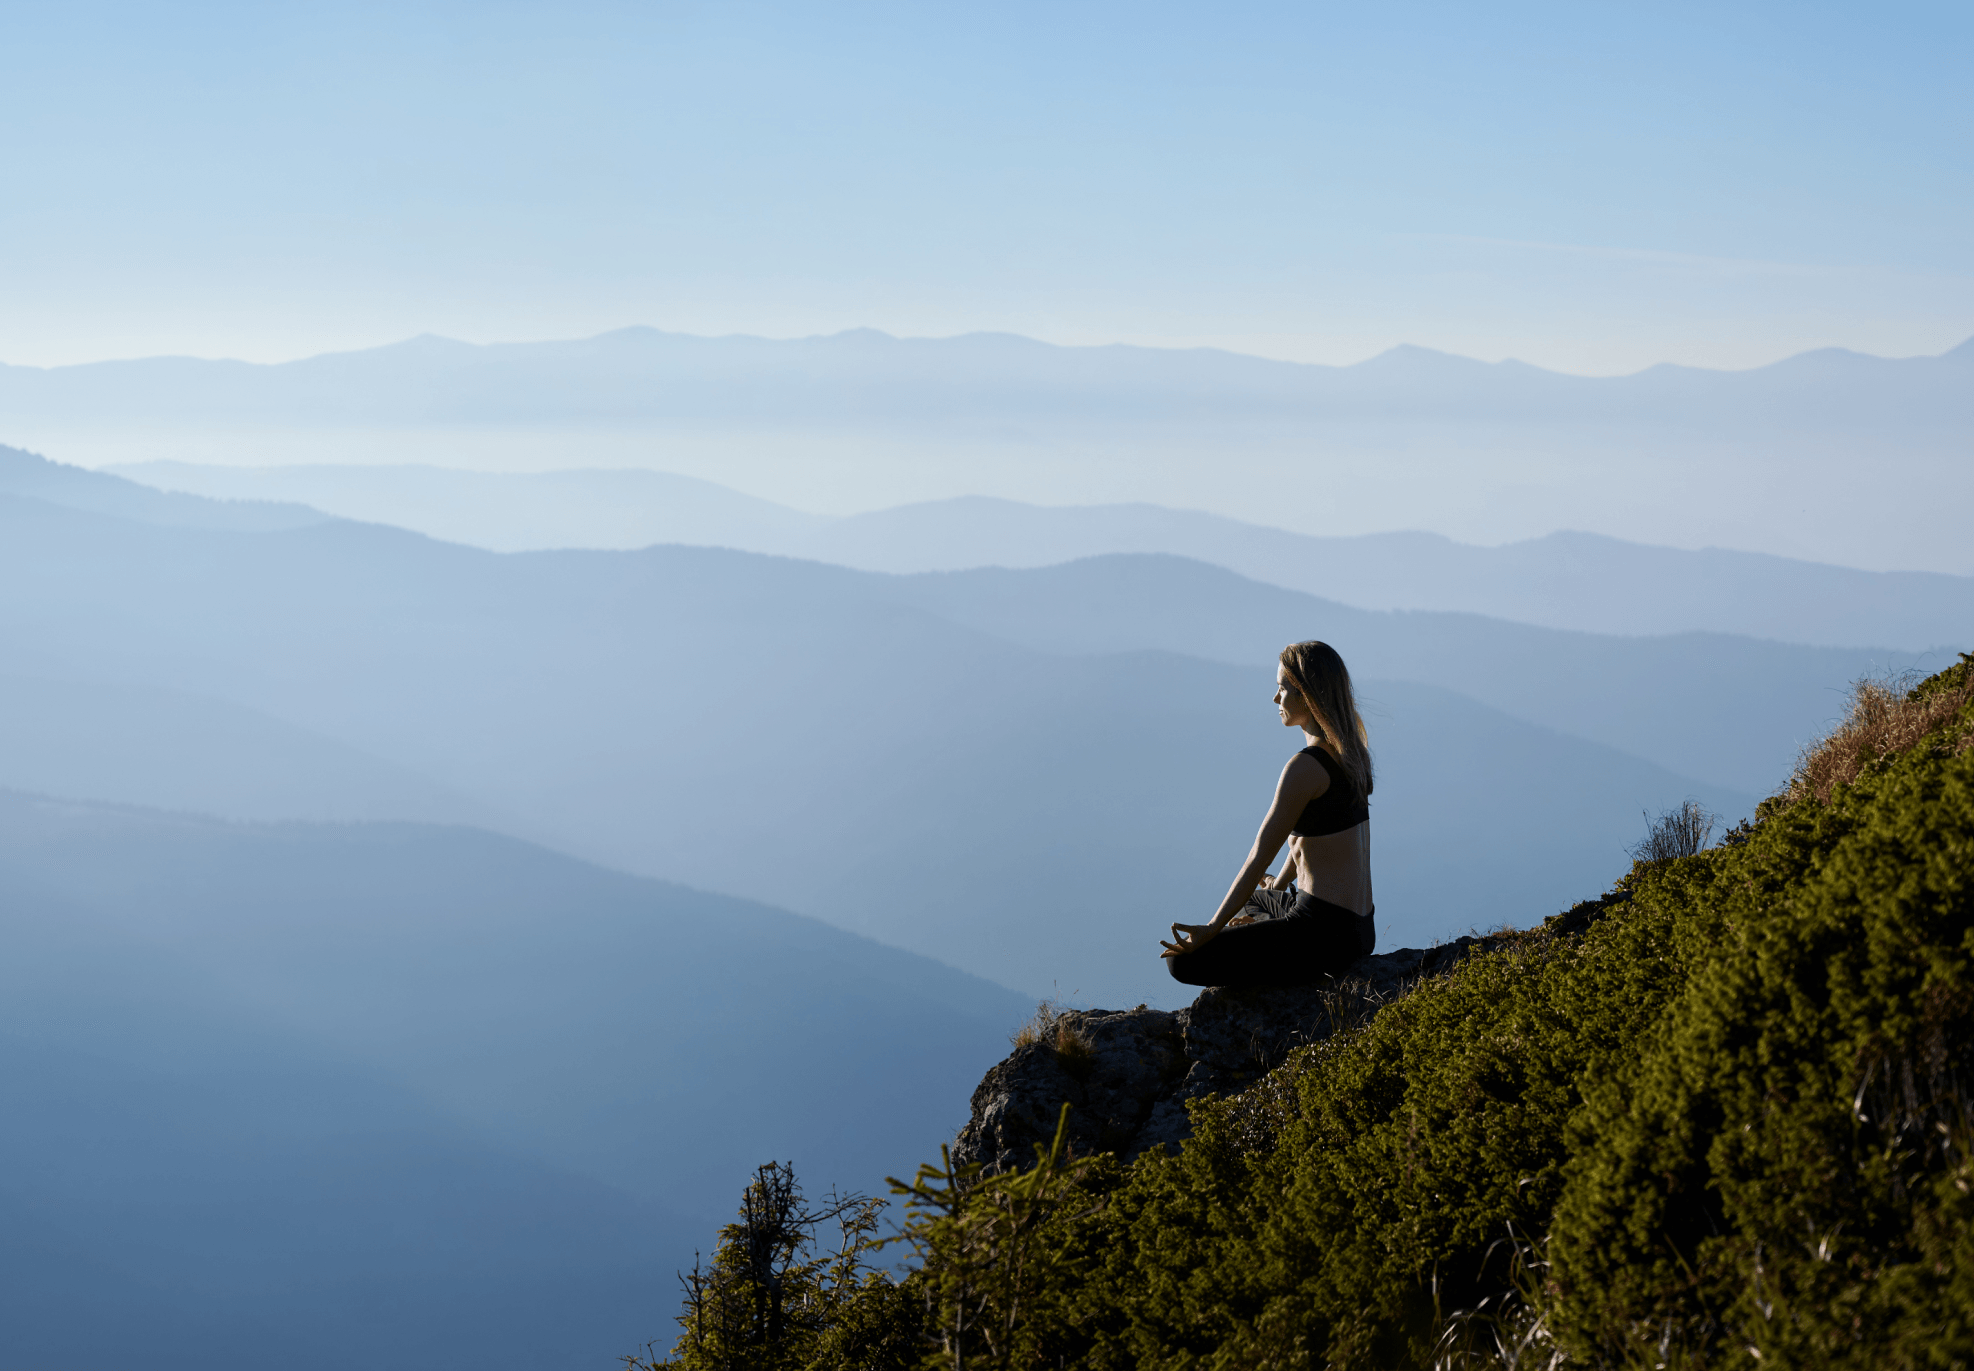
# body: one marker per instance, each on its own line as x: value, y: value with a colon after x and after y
x: 1303, y: 780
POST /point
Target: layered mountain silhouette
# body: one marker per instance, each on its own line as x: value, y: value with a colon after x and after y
x: 647, y: 372
x: 401, y: 1029
x: 30, y: 475
x: 1814, y: 457
x: 1024, y: 774
x: 401, y: 1096
x: 1577, y: 581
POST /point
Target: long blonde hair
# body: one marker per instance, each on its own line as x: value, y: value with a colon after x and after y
x: 1319, y: 676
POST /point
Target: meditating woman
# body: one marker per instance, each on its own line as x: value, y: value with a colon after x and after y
x: 1313, y: 919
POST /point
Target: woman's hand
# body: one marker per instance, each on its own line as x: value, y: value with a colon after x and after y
x: 1188, y: 938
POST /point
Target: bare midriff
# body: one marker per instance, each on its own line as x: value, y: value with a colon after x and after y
x: 1335, y: 867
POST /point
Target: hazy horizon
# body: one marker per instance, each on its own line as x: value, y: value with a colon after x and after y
x: 1402, y: 346
x: 1592, y: 192
x: 847, y: 423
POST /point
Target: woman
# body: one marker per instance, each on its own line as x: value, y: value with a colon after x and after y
x: 1314, y: 919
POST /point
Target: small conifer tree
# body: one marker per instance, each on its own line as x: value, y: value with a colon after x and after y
x: 772, y: 1300
x: 991, y: 1251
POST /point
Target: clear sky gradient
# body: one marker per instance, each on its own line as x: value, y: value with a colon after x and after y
x: 1590, y: 187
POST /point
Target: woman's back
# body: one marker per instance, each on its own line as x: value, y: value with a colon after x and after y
x: 1330, y: 845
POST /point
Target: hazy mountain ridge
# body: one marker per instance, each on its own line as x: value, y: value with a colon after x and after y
x: 30, y: 475
x: 1543, y: 677
x: 645, y: 372
x: 407, y: 1096
x: 1129, y: 603
x: 1568, y: 580
x: 1579, y: 581
x: 630, y: 707
x: 1480, y: 452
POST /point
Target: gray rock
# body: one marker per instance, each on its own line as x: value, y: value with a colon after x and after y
x: 1127, y: 1074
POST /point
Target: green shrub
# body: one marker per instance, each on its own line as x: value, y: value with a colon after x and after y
x: 996, y: 1252
x: 1781, y: 1174
x: 1339, y: 1215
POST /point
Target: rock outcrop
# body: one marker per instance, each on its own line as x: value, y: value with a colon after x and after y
x: 1128, y: 1073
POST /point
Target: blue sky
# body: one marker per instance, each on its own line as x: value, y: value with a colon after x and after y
x: 1589, y: 187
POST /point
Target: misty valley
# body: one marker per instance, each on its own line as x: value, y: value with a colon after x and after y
x: 416, y: 946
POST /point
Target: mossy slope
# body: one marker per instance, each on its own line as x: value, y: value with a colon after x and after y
x: 1726, y: 1125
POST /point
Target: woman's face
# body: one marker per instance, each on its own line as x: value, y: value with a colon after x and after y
x: 1288, y: 701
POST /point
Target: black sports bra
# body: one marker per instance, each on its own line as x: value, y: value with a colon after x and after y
x: 1337, y: 809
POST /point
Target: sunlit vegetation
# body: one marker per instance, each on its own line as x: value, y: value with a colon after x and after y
x: 1731, y: 1123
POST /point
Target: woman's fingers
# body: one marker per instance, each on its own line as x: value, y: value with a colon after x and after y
x: 1186, y: 937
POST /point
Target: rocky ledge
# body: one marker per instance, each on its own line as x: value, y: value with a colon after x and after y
x: 1128, y: 1073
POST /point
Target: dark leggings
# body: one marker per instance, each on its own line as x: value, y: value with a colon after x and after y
x: 1300, y: 940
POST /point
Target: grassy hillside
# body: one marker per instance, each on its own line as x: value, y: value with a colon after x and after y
x: 1726, y: 1125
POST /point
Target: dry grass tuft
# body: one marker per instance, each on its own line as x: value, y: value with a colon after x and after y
x: 1075, y: 1051
x: 1041, y: 1025
x: 1056, y: 1025
x: 1349, y: 1005
x: 1681, y: 831
x: 1886, y: 716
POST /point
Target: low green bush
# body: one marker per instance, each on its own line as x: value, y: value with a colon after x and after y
x: 1780, y: 1175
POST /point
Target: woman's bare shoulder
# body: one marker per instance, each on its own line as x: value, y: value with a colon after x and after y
x: 1305, y: 774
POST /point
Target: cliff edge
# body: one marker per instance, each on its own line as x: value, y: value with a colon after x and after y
x: 1128, y: 1073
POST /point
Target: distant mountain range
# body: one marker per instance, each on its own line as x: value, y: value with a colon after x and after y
x: 400, y: 1096
x: 992, y: 377
x: 1817, y: 457
x: 1566, y: 580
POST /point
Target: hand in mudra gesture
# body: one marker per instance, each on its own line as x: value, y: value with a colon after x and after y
x: 1187, y: 938
x: 1192, y: 937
